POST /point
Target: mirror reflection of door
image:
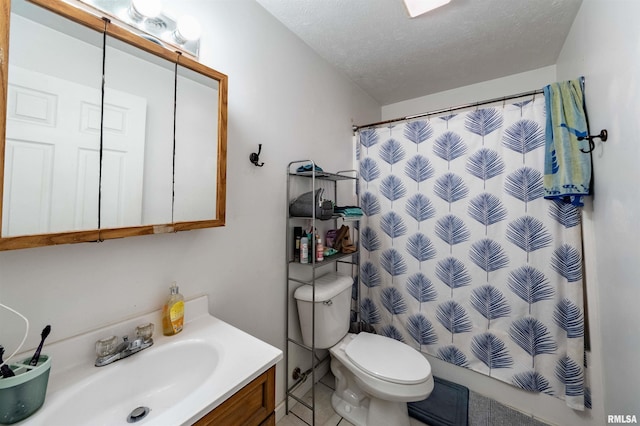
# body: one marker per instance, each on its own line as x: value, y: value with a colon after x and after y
x: 53, y: 146
x: 50, y: 179
x: 50, y: 184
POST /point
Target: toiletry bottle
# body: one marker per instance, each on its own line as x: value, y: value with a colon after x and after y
x: 304, y: 250
x: 173, y: 312
x: 297, y: 235
x: 319, y: 251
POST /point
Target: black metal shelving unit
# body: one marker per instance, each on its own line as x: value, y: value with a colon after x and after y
x: 311, y: 180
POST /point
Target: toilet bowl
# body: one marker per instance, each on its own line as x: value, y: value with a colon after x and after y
x: 375, y: 378
x: 375, y: 375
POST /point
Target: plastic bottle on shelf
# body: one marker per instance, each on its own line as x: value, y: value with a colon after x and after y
x: 319, y: 251
x: 304, y: 250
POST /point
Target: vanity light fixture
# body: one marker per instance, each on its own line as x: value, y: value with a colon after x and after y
x: 187, y: 29
x: 148, y: 17
x: 419, y: 7
x: 141, y: 9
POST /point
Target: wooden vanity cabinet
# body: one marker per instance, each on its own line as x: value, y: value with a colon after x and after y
x: 253, y: 405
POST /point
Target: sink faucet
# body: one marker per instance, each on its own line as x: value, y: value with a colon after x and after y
x: 108, y: 352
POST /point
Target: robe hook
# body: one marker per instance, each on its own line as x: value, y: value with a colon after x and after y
x: 603, y: 137
x: 254, y: 158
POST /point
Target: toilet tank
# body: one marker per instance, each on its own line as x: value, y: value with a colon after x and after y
x: 332, y: 309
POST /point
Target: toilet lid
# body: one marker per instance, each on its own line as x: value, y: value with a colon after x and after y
x: 388, y: 359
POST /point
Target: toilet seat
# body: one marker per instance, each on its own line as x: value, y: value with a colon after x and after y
x: 387, y: 359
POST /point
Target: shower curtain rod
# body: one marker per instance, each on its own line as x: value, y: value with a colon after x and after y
x: 455, y: 108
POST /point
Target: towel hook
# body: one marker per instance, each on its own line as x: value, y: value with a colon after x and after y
x: 254, y: 158
x: 602, y: 136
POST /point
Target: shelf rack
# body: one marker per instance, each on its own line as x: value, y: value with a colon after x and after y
x: 313, y: 179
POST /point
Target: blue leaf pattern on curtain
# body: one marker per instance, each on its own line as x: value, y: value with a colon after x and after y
x: 570, y: 373
x: 532, y: 336
x: 418, y: 131
x: 420, y: 208
x: 483, y: 121
x: 488, y: 255
x: 485, y: 164
x: 532, y: 381
x: 568, y: 316
x: 487, y: 209
x: 392, y: 188
x: 463, y: 257
x: 369, y: 312
x: 491, y: 351
x: 392, y: 152
x: 529, y: 234
x: 566, y: 214
x: 449, y: 146
x: 369, y: 170
x: 418, y: 169
x: 392, y: 332
x: 453, y: 273
x: 490, y: 302
x: 524, y: 136
x: 530, y: 285
x: 421, y: 330
x: 525, y: 184
x: 393, y: 262
x: 369, y: 239
x: 368, y: 138
x: 369, y: 275
x: 453, y: 317
x: 421, y: 289
x: 451, y: 188
x: 420, y: 247
x: 567, y: 262
x: 452, y: 355
x: 393, y: 301
x: 393, y: 225
x: 452, y: 230
x: 370, y: 204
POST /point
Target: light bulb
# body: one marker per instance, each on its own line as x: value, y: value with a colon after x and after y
x: 145, y: 8
x: 187, y: 29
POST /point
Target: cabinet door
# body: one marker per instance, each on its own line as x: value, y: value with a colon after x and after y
x: 252, y: 405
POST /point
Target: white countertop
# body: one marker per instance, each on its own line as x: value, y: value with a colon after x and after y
x: 229, y: 360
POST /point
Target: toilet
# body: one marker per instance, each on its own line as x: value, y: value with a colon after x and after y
x: 375, y: 375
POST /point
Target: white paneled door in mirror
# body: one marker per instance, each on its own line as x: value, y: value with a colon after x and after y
x: 51, y: 160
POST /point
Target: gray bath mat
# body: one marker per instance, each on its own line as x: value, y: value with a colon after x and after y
x: 446, y: 406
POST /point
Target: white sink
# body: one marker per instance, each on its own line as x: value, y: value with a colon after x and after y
x: 180, y: 378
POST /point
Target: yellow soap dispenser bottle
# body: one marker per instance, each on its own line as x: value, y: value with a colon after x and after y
x: 173, y: 312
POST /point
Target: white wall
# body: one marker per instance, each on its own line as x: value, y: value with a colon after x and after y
x: 604, y: 47
x: 506, y: 86
x: 543, y: 407
x: 282, y: 95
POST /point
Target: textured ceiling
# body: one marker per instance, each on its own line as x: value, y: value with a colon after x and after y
x: 395, y: 58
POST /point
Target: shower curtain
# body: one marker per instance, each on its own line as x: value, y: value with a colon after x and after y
x: 462, y: 257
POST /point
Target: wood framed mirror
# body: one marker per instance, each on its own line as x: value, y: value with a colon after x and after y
x: 82, y: 160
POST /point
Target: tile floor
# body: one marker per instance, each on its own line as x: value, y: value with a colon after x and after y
x: 299, y: 415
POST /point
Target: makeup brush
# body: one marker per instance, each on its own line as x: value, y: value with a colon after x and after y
x: 5, y: 371
x: 36, y: 356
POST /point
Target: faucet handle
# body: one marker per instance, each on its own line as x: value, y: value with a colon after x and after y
x: 145, y: 331
x: 106, y: 346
